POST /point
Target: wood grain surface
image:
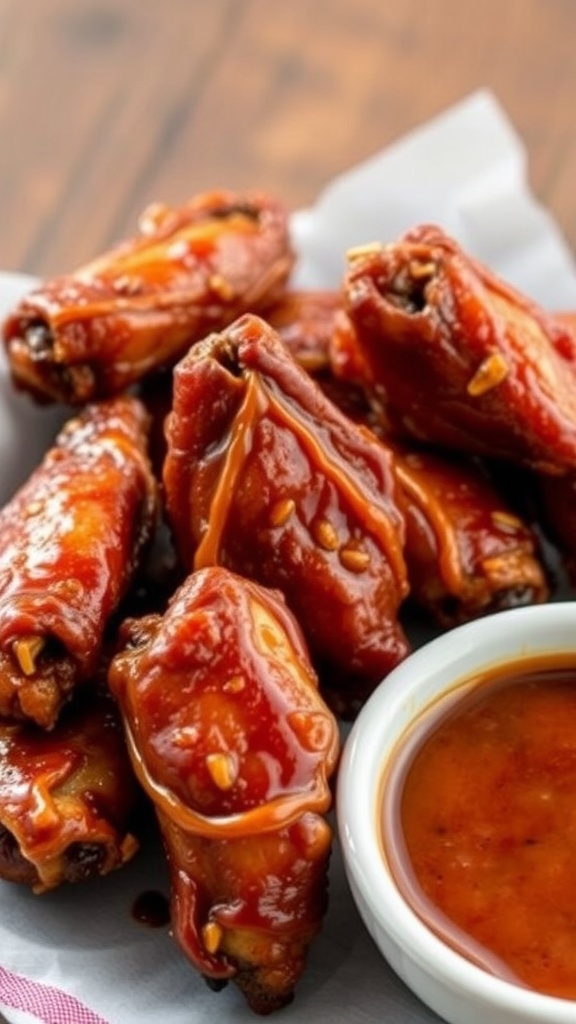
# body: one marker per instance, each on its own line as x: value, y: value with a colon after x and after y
x: 106, y: 105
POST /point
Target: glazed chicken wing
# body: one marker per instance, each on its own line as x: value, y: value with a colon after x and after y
x: 468, y: 553
x: 266, y: 476
x: 305, y: 322
x: 68, y: 797
x: 460, y: 358
x: 71, y: 540
x: 191, y: 269
x: 235, y: 747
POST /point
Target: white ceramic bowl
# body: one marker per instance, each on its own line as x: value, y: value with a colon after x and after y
x: 455, y: 988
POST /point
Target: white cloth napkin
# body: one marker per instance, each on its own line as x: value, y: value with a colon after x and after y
x: 77, y: 955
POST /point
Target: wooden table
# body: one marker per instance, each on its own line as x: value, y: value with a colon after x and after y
x: 107, y: 105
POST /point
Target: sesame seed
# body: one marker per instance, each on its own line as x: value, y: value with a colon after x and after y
x: 358, y: 251
x: 222, y: 768
x: 354, y: 559
x: 505, y: 520
x: 222, y: 287
x: 281, y: 511
x: 212, y: 936
x: 326, y: 535
x: 422, y: 271
x: 491, y: 372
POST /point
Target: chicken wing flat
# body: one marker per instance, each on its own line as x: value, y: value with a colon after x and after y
x: 68, y: 797
x: 234, y: 745
x: 71, y: 540
x: 305, y: 322
x: 460, y: 358
x: 191, y: 269
x: 266, y: 476
x: 468, y: 553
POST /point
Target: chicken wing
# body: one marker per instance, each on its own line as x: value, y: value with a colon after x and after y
x: 69, y: 800
x: 459, y: 357
x: 71, y: 541
x: 137, y: 308
x: 235, y: 747
x: 266, y: 476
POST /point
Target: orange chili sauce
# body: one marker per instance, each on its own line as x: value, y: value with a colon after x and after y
x: 484, y: 794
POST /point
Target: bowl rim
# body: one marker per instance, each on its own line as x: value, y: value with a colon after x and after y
x: 513, y: 633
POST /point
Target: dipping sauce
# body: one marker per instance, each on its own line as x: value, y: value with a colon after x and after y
x: 484, y: 794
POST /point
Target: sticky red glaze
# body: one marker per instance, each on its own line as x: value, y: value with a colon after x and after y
x: 191, y: 269
x: 306, y: 323
x: 427, y: 318
x: 225, y: 671
x: 70, y: 543
x: 266, y: 476
x: 467, y: 552
x: 235, y: 747
x: 67, y: 797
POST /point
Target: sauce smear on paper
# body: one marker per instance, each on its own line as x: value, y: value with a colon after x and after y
x: 151, y: 908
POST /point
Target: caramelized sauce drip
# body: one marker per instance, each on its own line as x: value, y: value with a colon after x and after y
x: 259, y: 401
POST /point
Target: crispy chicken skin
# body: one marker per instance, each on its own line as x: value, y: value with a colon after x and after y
x: 234, y: 745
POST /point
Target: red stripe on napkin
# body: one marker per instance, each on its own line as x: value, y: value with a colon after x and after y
x: 50, y: 1005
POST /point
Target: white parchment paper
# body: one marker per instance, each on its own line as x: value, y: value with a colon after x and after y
x: 466, y: 171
